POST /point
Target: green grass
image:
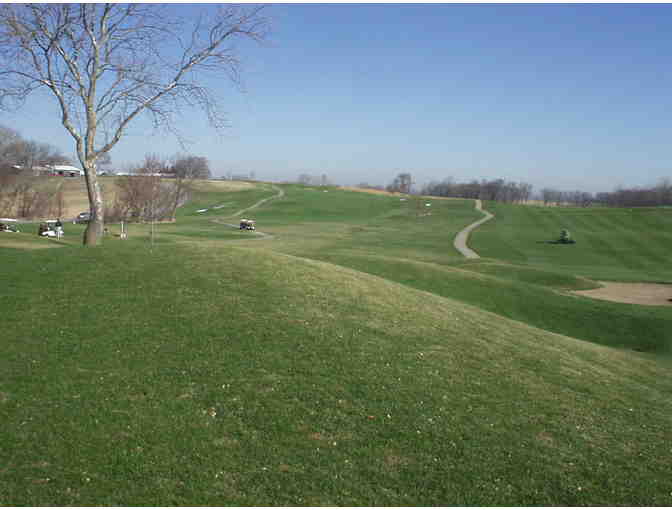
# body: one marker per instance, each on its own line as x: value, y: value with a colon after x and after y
x: 612, y: 243
x: 354, y: 362
x: 538, y: 303
x: 384, y: 237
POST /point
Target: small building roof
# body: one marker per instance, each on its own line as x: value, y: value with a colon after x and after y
x: 65, y: 168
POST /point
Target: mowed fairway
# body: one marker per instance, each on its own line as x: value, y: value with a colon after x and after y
x: 349, y: 360
x: 623, y: 244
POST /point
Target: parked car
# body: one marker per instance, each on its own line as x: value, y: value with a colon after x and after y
x: 82, y: 217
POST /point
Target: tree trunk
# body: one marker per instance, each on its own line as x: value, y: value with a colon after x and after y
x: 93, y: 235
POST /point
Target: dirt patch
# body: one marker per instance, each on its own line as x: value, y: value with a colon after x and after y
x: 653, y: 294
x: 369, y: 190
x: 213, y: 185
x: 395, y: 194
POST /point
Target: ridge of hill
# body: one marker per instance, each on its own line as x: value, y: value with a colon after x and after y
x: 362, y: 392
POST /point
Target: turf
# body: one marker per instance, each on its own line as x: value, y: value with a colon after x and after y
x: 611, y: 243
x: 354, y: 362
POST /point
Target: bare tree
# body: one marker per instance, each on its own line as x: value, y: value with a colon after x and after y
x: 402, y: 183
x: 29, y: 154
x: 8, y: 137
x: 190, y: 167
x: 143, y: 195
x: 184, y: 170
x: 106, y: 64
x: 153, y: 164
x: 137, y: 196
x: 15, y: 152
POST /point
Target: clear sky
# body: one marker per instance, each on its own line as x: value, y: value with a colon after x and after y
x: 573, y: 96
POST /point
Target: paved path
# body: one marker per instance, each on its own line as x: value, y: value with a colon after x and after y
x: 258, y: 235
x: 461, y: 238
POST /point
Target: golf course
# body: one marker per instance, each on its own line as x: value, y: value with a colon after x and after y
x: 345, y: 353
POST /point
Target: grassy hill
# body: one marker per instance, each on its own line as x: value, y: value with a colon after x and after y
x: 354, y: 359
x: 612, y: 243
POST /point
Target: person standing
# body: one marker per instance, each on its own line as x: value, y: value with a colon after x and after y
x: 58, y: 227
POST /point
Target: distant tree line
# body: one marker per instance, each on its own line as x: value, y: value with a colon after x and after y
x: 572, y: 198
x: 19, y: 155
x: 19, y: 195
x: 653, y: 196
x: 496, y: 189
x: 313, y: 180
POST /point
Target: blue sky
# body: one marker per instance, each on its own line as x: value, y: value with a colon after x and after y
x: 570, y: 96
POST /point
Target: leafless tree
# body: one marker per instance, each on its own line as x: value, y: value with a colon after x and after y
x: 497, y: 189
x: 309, y: 180
x: 15, y: 152
x: 106, y: 64
x: 659, y: 195
x: 153, y: 164
x: 402, y: 183
x: 190, y: 167
x: 551, y: 196
x: 29, y: 154
x: 8, y: 137
x: 136, y: 196
x: 31, y: 203
x: 184, y: 170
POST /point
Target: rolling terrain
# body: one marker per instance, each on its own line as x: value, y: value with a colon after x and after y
x: 356, y: 358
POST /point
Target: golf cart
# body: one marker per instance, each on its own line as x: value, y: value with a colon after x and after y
x: 8, y: 225
x: 50, y: 228
x: 247, y: 224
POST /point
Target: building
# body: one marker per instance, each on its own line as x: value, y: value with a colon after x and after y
x: 65, y: 171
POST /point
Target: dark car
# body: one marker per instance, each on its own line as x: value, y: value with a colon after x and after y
x: 82, y: 217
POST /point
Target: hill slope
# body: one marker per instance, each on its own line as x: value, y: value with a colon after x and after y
x: 612, y: 243
x: 352, y: 360
x: 232, y: 376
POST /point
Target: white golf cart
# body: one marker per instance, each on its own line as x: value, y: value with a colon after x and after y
x: 247, y: 224
x: 50, y: 228
x: 8, y: 225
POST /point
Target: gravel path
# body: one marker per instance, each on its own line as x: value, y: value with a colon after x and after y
x: 461, y: 238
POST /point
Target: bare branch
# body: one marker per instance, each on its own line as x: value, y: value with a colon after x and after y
x: 107, y: 64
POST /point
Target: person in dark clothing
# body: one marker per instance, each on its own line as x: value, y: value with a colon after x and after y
x: 58, y: 227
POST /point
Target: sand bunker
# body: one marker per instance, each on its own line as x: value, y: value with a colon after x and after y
x: 657, y: 294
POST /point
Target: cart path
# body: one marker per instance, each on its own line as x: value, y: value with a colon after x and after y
x: 280, y: 194
x: 258, y: 235
x: 462, y: 237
